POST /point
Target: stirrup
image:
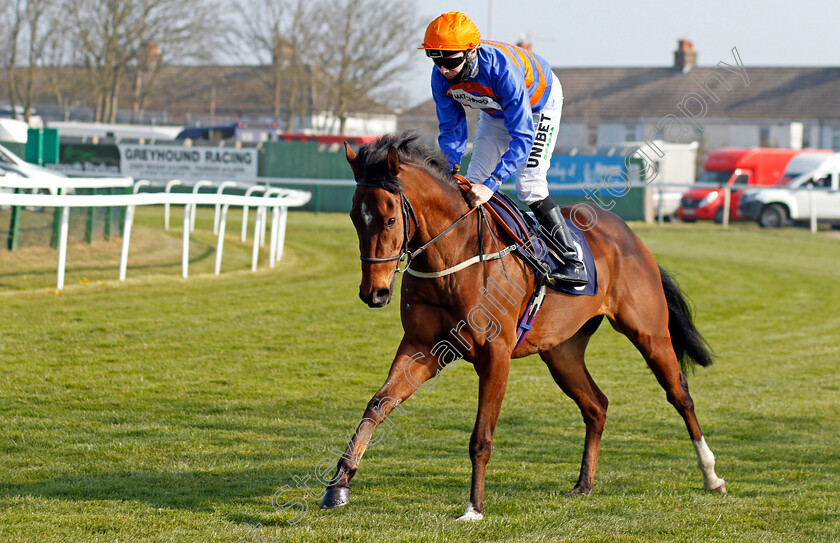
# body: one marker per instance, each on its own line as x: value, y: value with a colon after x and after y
x: 572, y: 273
x: 572, y: 270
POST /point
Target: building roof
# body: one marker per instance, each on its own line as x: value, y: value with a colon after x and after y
x: 184, y: 91
x: 600, y: 94
x: 631, y: 93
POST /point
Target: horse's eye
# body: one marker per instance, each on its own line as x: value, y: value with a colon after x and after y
x: 391, y: 221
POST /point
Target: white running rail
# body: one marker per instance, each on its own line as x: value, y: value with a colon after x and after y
x: 279, y: 200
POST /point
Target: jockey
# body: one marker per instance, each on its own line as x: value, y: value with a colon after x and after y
x: 520, y: 100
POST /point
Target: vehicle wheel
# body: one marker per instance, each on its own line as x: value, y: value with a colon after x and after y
x: 719, y: 216
x: 772, y: 216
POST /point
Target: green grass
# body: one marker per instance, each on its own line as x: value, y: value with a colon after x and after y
x: 164, y: 409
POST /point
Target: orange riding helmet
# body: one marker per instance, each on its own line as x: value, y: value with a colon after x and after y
x: 452, y: 31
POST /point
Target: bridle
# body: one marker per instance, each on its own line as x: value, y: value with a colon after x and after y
x: 407, y: 211
x: 406, y: 255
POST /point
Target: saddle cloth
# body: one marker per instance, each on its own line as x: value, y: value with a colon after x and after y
x: 527, y: 229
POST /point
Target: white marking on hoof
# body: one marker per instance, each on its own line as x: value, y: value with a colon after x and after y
x: 471, y: 513
x: 706, y: 462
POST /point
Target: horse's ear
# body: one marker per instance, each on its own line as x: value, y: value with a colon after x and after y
x: 393, y: 161
x: 351, y: 159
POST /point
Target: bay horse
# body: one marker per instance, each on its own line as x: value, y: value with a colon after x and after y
x: 407, y: 206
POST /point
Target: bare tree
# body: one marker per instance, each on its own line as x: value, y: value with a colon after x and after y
x: 276, y: 33
x: 41, y: 15
x: 58, y: 55
x: 14, y: 14
x: 143, y: 73
x: 28, y: 22
x: 114, y: 35
x: 364, y: 46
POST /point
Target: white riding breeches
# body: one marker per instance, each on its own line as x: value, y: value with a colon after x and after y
x: 492, y: 141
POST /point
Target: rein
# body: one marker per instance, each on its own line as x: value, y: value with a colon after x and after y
x: 405, y: 252
x: 407, y: 255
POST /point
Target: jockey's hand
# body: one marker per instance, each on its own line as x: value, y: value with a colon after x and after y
x: 478, y: 194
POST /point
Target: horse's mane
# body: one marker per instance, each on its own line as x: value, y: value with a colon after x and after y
x: 373, y: 159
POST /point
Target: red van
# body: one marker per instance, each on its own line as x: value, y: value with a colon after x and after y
x: 738, y: 168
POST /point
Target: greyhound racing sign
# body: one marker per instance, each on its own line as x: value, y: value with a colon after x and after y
x: 176, y: 161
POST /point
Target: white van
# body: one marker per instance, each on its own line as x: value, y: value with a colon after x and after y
x: 13, y: 130
x: 35, y: 120
x: 14, y: 167
x: 790, y: 199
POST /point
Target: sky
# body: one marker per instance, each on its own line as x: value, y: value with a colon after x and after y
x: 644, y: 33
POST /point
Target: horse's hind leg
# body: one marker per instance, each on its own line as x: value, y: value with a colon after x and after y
x: 567, y: 366
x: 653, y: 340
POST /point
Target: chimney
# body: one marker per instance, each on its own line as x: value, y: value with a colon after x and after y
x: 149, y: 56
x: 685, y: 57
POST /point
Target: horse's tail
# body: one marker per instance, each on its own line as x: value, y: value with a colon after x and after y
x: 688, y: 344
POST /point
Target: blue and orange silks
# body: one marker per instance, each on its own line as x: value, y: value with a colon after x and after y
x: 511, y: 83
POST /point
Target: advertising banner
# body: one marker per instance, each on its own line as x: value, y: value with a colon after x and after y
x: 180, y: 162
x: 87, y: 159
x: 590, y: 170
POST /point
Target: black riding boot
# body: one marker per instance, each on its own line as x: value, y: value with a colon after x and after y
x: 573, y: 272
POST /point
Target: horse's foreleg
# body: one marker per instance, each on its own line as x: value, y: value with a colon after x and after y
x: 492, y: 383
x: 408, y: 372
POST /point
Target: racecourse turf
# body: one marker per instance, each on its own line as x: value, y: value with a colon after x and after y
x: 170, y: 409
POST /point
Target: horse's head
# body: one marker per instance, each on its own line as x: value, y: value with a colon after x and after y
x: 383, y: 221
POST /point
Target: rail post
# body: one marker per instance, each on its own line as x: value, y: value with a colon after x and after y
x: 109, y: 216
x: 62, y: 245
x: 258, y: 225
x: 14, y: 227
x: 185, y: 249
x: 196, y: 187
x: 220, y: 243
x: 218, y: 206
x: 56, y: 225
x: 248, y: 192
x: 91, y: 219
x: 126, y: 240
x: 166, y: 207
x: 727, y: 198
x: 281, y: 232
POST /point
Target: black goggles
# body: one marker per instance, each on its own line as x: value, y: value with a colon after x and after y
x: 443, y: 60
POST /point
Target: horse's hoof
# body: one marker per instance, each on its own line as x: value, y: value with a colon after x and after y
x: 577, y: 491
x: 721, y: 489
x: 336, y: 497
x: 471, y: 514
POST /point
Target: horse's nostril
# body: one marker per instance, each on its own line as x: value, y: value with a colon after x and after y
x: 381, y: 294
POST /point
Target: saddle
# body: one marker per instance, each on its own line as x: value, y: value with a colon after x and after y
x: 525, y: 231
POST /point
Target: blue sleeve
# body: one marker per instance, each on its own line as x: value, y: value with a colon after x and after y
x: 452, y: 121
x: 518, y: 118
